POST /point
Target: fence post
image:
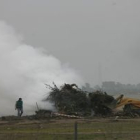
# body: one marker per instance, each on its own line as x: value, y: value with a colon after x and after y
x: 75, y: 131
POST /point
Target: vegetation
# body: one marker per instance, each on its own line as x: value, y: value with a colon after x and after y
x: 97, y: 129
x: 100, y: 102
x: 70, y: 99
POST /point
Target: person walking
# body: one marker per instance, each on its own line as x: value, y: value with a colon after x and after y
x: 19, y: 107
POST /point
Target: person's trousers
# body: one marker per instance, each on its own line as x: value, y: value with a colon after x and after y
x: 19, y: 111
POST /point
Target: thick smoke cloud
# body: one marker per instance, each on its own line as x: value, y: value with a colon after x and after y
x: 24, y: 71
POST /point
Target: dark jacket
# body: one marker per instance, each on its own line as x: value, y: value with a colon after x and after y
x: 19, y: 104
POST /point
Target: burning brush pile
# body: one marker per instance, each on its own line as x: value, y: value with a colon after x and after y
x: 71, y: 100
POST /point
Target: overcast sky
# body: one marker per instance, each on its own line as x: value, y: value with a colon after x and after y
x: 98, y: 38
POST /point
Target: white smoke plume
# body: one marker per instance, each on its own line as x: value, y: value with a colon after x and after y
x: 24, y: 71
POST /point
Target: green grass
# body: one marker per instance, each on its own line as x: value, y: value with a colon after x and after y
x: 100, y: 129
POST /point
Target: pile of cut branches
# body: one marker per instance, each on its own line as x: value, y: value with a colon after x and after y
x: 100, y: 102
x: 69, y: 99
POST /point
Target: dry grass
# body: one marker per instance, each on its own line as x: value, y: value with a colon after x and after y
x: 63, y: 129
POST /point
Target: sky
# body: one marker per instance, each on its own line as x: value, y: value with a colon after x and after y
x: 99, y: 39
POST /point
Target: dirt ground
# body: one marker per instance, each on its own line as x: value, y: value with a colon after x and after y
x: 26, y: 120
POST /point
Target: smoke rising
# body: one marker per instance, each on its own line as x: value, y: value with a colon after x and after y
x: 24, y: 71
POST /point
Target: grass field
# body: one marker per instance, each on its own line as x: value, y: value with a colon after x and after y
x: 63, y: 129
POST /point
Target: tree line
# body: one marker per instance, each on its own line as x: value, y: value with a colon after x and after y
x: 112, y: 87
